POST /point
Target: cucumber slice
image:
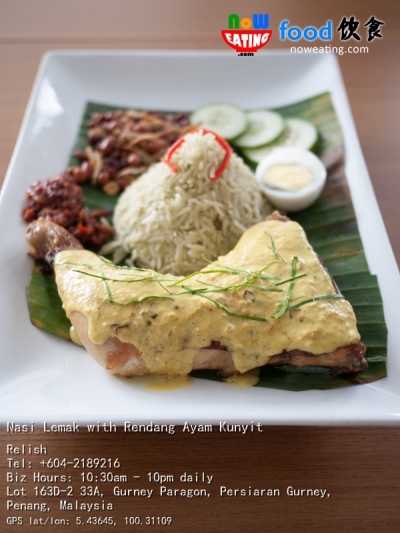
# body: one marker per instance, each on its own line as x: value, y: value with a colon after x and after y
x: 264, y: 127
x: 228, y: 120
x: 298, y: 132
x: 302, y: 134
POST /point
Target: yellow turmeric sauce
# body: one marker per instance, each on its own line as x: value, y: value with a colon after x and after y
x: 237, y: 303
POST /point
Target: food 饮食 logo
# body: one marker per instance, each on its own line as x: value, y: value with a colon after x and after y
x: 247, y: 35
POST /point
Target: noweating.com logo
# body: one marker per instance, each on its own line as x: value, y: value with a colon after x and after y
x: 247, y: 35
x: 294, y: 33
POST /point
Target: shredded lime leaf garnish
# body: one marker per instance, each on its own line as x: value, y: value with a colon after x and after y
x: 289, y: 279
x: 273, y: 249
x: 138, y: 301
x: 230, y: 313
x: 254, y: 280
x: 206, y: 259
x: 241, y: 285
x: 200, y: 272
x: 285, y: 303
x: 325, y: 297
x: 141, y: 278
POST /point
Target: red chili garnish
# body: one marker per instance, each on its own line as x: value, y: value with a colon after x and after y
x: 83, y: 231
x: 222, y: 142
x: 171, y: 150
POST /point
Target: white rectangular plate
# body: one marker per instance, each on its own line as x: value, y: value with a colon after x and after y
x: 44, y: 378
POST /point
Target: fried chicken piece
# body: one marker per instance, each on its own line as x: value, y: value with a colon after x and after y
x: 47, y: 238
x: 132, y: 326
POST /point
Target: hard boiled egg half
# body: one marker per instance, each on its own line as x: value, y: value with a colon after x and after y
x: 292, y: 178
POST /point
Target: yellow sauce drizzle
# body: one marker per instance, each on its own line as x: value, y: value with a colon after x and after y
x: 248, y: 379
x: 167, y: 383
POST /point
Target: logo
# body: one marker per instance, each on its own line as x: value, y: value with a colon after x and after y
x: 294, y: 33
x: 348, y: 28
x: 247, y: 39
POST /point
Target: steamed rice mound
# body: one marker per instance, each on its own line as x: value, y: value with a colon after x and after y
x: 169, y: 221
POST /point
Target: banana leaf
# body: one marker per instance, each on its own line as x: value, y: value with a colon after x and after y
x: 332, y: 230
